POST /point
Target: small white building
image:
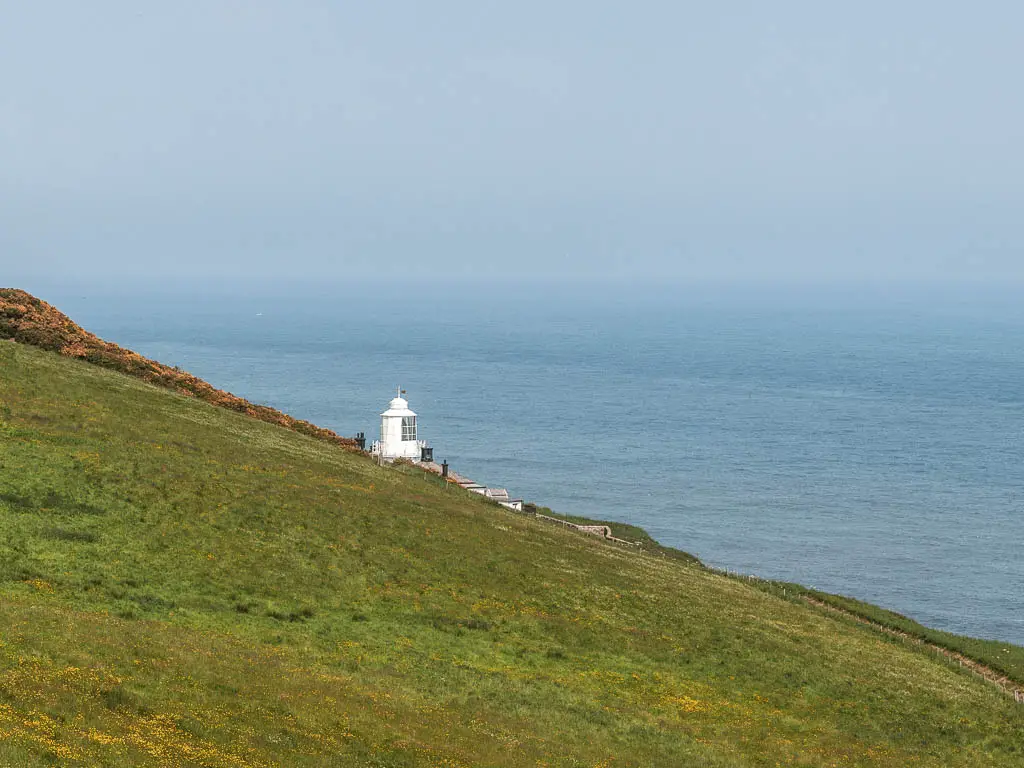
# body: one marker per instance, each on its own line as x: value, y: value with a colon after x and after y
x: 501, y: 496
x: 398, y: 439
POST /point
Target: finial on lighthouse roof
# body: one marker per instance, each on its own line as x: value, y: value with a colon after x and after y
x: 399, y: 402
x: 399, y: 406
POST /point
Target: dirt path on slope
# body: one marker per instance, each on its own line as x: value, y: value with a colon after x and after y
x: 1005, y: 684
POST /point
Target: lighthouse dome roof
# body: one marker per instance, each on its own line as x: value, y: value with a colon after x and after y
x: 398, y: 406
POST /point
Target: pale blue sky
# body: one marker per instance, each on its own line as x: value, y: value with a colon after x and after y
x: 646, y: 141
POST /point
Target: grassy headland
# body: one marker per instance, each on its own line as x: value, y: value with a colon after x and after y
x: 28, y: 320
x: 182, y: 585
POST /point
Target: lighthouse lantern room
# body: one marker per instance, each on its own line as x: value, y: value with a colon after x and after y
x: 398, y: 439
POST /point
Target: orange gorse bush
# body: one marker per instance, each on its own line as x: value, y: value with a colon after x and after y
x: 28, y: 320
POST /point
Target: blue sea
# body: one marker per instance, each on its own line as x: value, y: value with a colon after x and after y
x: 862, y: 441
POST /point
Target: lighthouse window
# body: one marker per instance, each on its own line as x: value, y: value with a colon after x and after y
x: 408, y: 428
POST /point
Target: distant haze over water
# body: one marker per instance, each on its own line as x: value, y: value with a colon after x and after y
x: 861, y: 442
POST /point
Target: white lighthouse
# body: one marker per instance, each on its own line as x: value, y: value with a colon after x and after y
x: 398, y: 439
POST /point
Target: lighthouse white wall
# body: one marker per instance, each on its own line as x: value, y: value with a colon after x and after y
x: 396, y: 442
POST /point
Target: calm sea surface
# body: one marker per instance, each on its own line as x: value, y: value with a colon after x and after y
x: 865, y: 445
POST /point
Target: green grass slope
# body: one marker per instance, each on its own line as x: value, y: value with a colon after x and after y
x: 1000, y: 657
x: 181, y: 585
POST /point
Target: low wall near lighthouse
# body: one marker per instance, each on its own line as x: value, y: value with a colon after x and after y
x: 501, y: 496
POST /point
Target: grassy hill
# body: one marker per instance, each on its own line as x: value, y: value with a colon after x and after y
x: 183, y: 585
x: 28, y: 320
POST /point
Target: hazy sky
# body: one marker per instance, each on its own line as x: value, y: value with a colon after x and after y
x: 644, y: 140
